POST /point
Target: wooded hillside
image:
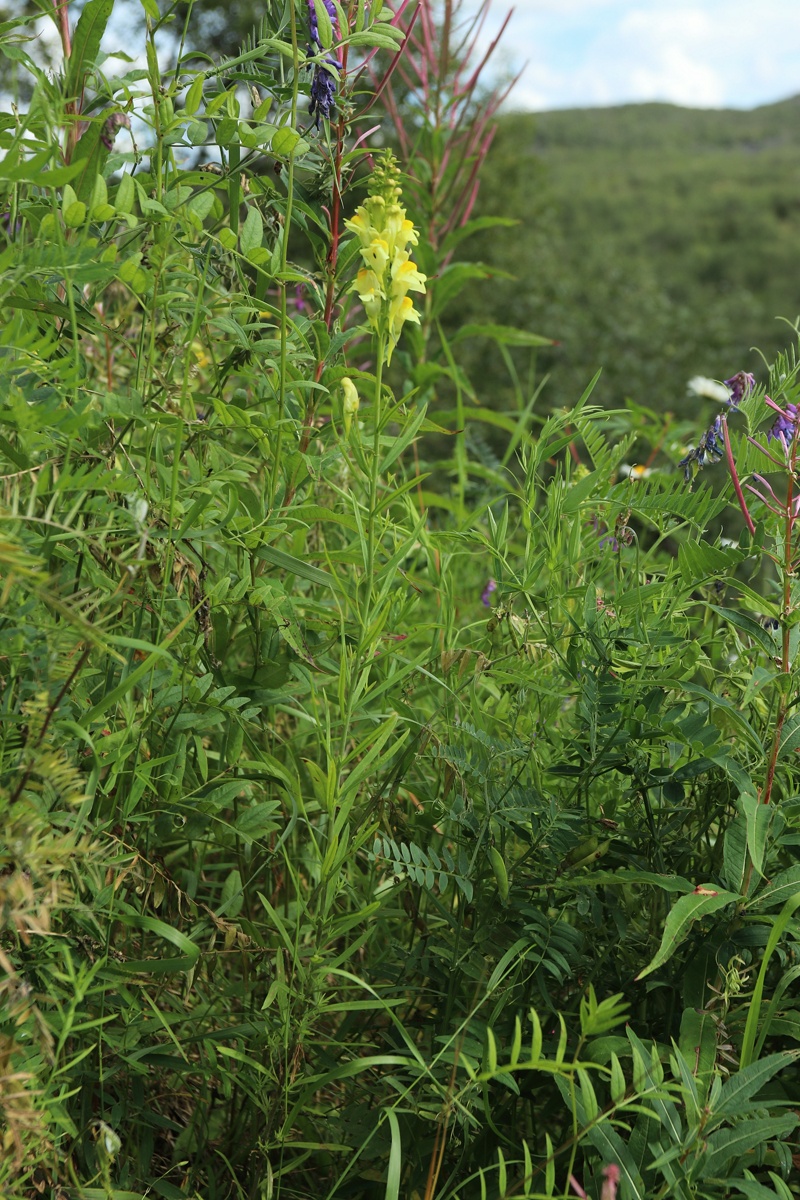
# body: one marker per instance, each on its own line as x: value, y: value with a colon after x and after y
x: 654, y: 241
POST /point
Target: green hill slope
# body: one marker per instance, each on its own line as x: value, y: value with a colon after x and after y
x: 655, y: 242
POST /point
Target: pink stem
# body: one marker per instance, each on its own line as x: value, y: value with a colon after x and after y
x: 737, y: 487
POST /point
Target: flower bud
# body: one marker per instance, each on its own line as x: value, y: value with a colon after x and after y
x: 350, y: 403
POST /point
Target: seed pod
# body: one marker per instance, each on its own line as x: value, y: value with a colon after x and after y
x: 500, y: 872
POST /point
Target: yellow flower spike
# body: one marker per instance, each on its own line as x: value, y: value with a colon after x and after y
x: 399, y: 231
x: 370, y: 293
x: 405, y: 276
x: 402, y: 310
x: 359, y: 225
x: 350, y: 403
x: 384, y: 232
x: 376, y: 255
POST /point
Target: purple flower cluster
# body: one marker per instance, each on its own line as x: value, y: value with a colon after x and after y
x: 111, y: 125
x: 486, y: 594
x: 313, y: 23
x: 324, y: 83
x: 741, y: 384
x: 709, y: 449
x: 785, y: 427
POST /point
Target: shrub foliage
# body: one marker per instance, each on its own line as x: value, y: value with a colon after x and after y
x: 376, y: 823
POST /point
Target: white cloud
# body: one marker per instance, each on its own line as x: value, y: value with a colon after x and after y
x: 702, y: 53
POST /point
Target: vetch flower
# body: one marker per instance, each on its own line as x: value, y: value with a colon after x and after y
x: 486, y: 594
x: 741, y: 384
x: 325, y: 81
x: 709, y: 449
x: 323, y: 90
x: 313, y: 21
x: 785, y: 427
x: 389, y: 274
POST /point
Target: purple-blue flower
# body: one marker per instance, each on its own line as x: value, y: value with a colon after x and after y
x: 741, y: 384
x: 324, y: 83
x: 709, y: 449
x: 323, y: 91
x: 486, y: 594
x: 785, y: 426
x: 313, y: 24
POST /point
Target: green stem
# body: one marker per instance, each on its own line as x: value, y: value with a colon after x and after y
x: 287, y: 224
x: 373, y: 484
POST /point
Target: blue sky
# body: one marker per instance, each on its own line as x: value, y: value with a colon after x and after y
x: 699, y: 53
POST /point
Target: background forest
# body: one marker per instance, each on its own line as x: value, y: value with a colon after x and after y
x: 398, y: 755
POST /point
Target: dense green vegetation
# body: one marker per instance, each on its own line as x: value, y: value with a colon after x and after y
x: 368, y: 834
x: 655, y: 242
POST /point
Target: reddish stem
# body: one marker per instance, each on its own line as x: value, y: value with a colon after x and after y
x: 737, y: 487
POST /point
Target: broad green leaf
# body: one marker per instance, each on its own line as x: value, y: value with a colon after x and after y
x: 324, y: 24
x: 231, y: 898
x: 252, y: 231
x: 744, y: 1138
x: 758, y: 817
x: 790, y: 738
x: 705, y: 899
x: 86, y: 43
x: 258, y: 821
x: 194, y: 95
x: 751, y: 628
x: 744, y: 1084
x: 778, y: 889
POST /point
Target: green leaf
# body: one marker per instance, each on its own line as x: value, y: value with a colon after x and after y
x: 748, y: 1052
x: 790, y: 737
x: 194, y: 95
x: 231, y: 898
x: 607, y: 1142
x: 252, y: 231
x: 259, y: 821
x: 751, y: 628
x: 324, y: 25
x: 394, y: 1170
x: 777, y: 890
x: 748, y: 1136
x: 169, y: 933
x: 296, y: 566
x: 746, y: 1083
x: 86, y: 43
x: 705, y: 899
x: 286, y: 142
x: 579, y: 492
x: 669, y: 883
x: 758, y: 817
x: 699, y: 560
x: 75, y: 214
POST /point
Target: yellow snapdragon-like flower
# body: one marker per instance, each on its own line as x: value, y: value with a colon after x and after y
x: 389, y: 274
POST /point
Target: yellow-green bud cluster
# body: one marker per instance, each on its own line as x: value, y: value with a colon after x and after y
x: 388, y: 274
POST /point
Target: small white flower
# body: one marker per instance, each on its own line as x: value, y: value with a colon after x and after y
x: 711, y: 389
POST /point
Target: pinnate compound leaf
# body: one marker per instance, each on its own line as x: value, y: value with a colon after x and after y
x: 705, y: 899
x: 608, y: 1142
